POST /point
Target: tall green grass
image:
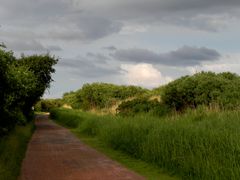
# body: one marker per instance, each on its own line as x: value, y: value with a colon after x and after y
x: 199, y: 144
x: 12, y: 151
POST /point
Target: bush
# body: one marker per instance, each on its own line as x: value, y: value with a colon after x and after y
x: 205, y: 88
x: 100, y: 95
x: 142, y: 105
x: 45, y: 105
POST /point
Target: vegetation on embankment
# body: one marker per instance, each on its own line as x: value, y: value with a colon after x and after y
x: 148, y: 170
x: 199, y: 144
x: 101, y: 95
x: 214, y: 90
x: 12, y: 151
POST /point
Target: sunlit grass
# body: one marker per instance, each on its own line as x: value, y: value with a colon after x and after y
x: 199, y: 144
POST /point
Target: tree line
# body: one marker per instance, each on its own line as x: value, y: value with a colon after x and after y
x: 209, y: 89
x: 212, y: 90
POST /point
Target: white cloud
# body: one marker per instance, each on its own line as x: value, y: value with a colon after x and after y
x: 143, y: 75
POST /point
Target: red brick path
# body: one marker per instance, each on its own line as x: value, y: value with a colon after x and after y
x: 55, y: 154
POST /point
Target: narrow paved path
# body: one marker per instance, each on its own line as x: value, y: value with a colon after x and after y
x: 55, y: 154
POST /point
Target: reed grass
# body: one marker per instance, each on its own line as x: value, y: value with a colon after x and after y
x: 199, y: 144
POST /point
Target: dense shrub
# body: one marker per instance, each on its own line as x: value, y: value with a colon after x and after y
x: 71, y: 99
x: 206, y: 88
x: 100, y: 95
x: 142, y: 105
x: 45, y: 105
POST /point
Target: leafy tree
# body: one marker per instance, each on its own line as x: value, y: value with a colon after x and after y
x: 22, y: 83
x: 42, y: 68
x: 6, y: 58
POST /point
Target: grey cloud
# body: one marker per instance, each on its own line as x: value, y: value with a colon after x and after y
x: 97, y: 57
x: 32, y: 45
x: 210, y: 23
x: 89, y: 68
x: 35, y: 12
x: 156, y: 8
x: 186, y: 13
x: 95, y: 27
x: 87, y: 21
x: 110, y: 48
x: 184, y: 56
x: 54, y: 48
x: 83, y: 28
x: 56, y: 19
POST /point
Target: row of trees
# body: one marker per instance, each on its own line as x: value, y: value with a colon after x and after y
x: 22, y: 82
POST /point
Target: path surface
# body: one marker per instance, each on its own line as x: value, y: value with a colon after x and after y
x: 55, y: 154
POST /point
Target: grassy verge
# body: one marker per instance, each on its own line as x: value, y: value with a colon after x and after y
x: 87, y: 133
x: 150, y: 171
x: 199, y: 144
x: 12, y: 151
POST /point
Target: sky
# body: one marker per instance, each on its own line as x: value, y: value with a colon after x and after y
x: 133, y: 42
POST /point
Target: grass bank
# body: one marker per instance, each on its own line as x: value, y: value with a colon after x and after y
x: 196, y: 145
x: 150, y: 171
x: 12, y: 151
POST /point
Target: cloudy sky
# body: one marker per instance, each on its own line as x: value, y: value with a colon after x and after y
x: 139, y: 42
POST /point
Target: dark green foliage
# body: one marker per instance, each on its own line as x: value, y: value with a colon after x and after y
x: 70, y: 99
x: 158, y: 90
x: 101, y: 95
x: 141, y: 105
x: 205, y: 88
x: 22, y: 83
x: 42, y: 68
x: 45, y: 105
